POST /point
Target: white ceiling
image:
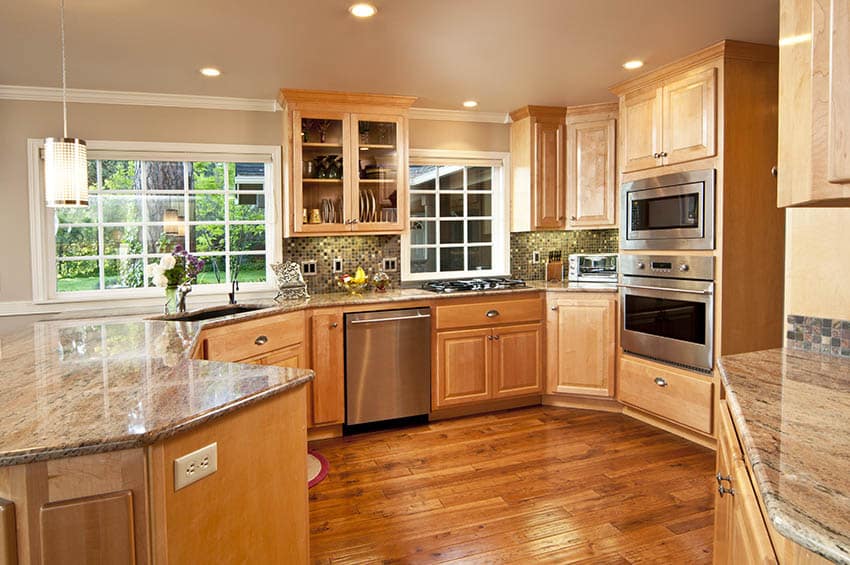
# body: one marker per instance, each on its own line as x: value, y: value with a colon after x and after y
x: 504, y: 53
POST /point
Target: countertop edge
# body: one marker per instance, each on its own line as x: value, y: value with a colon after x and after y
x: 784, y: 523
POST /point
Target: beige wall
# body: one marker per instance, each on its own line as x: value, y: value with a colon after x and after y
x: 817, y: 263
x: 22, y: 120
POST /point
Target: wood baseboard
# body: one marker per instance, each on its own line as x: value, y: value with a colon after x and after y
x: 582, y: 402
x: 487, y: 406
x: 324, y: 432
x: 681, y: 431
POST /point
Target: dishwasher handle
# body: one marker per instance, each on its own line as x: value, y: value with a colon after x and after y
x: 393, y: 319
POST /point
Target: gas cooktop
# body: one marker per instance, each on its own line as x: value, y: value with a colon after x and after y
x: 465, y: 285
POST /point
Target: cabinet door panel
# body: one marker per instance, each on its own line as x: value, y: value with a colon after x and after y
x: 591, y: 185
x: 690, y: 111
x: 328, y: 386
x: 463, y: 368
x: 549, y: 189
x: 586, y: 347
x: 839, y: 94
x: 517, y: 360
x: 641, y: 129
x: 292, y: 356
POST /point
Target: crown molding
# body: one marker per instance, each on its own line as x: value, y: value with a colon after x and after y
x: 85, y: 96
x: 458, y: 115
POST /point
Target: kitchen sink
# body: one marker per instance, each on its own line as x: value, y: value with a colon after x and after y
x: 210, y: 313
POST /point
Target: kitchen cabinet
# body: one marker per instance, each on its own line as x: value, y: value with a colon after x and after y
x: 327, y: 391
x: 347, y: 162
x: 581, y: 334
x: 592, y: 166
x: 671, y: 121
x: 814, y: 103
x: 538, y: 168
x: 254, y: 340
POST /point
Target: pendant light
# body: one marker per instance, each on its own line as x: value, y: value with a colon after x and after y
x: 65, y: 163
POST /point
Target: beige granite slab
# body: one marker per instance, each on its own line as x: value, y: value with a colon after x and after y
x: 792, y: 409
x: 565, y: 286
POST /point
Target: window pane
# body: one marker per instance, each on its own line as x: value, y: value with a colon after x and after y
x: 250, y: 268
x: 164, y: 175
x: 161, y: 242
x: 478, y: 204
x: 213, y: 272
x: 479, y: 178
x: 451, y: 258
x: 248, y: 207
x: 480, y: 258
x: 451, y: 178
x: 124, y: 273
x: 120, y: 175
x: 121, y: 209
x: 422, y: 232
x: 76, y: 242
x: 423, y: 260
x: 206, y: 238
x: 451, y: 232
x: 78, y: 215
x: 74, y: 276
x: 451, y: 205
x: 91, y: 168
x: 160, y: 206
x: 422, y: 205
x: 206, y: 208
x: 479, y: 231
x: 207, y: 176
x: 122, y: 241
x: 423, y: 177
x: 248, y: 238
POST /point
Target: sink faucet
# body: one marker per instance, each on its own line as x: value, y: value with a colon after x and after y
x: 231, y: 296
x: 182, y: 291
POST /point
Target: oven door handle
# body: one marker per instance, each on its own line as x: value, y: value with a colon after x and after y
x: 665, y: 289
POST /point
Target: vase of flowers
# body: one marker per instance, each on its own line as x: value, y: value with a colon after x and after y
x: 177, y: 269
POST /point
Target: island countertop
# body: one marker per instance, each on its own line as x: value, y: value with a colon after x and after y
x: 791, y: 409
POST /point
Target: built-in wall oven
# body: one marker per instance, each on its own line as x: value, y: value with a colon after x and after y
x: 667, y: 308
x: 673, y: 211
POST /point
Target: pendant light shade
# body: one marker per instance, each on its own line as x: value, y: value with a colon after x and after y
x: 65, y: 172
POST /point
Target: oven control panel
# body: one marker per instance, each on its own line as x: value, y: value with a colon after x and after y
x: 696, y: 267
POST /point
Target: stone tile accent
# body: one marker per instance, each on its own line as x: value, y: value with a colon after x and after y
x: 567, y: 242
x: 820, y: 335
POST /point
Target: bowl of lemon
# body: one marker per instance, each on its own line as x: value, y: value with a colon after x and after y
x: 354, y: 285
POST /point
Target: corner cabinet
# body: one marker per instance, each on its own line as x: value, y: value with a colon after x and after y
x: 592, y: 166
x: 347, y: 157
x: 538, y: 168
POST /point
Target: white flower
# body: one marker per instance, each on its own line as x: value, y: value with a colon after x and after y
x: 167, y: 262
x: 154, y: 270
x: 160, y: 280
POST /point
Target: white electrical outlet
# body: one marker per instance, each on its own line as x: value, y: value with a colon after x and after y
x: 308, y: 268
x: 535, y: 256
x: 338, y: 265
x: 195, y: 466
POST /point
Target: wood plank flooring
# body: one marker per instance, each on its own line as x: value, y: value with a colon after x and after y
x: 535, y: 485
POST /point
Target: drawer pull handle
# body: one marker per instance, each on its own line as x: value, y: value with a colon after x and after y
x: 661, y: 381
x: 720, y: 478
x: 492, y: 313
x: 723, y: 490
x: 261, y: 340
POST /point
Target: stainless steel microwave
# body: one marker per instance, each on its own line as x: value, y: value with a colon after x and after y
x: 669, y: 212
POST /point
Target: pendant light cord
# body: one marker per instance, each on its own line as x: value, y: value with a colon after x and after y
x: 64, y: 72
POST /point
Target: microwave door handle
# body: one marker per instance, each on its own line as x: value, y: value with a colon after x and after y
x: 664, y: 289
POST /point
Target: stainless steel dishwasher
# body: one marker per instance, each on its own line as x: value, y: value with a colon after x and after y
x: 387, y: 365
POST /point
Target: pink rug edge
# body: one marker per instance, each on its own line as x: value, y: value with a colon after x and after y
x: 325, y: 468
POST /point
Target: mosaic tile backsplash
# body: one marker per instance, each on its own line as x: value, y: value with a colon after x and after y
x: 821, y: 335
x: 567, y: 242
x: 356, y: 251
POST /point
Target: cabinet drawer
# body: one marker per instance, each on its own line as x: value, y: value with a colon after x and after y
x: 489, y: 313
x: 668, y: 392
x: 256, y: 337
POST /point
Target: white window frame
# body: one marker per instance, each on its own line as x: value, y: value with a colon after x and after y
x: 500, y: 207
x: 42, y: 234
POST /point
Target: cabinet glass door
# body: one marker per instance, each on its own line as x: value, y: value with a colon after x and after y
x: 320, y: 172
x: 379, y: 195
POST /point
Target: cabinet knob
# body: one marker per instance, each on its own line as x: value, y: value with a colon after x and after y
x: 656, y: 155
x: 554, y: 308
x: 261, y: 340
x: 573, y: 218
x: 334, y: 325
x: 496, y: 337
x: 661, y: 381
x: 662, y: 154
x: 492, y: 313
x: 774, y: 171
x: 489, y: 338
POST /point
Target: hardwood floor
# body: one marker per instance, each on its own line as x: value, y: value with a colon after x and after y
x: 542, y: 485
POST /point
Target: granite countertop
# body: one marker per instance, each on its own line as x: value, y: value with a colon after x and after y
x: 791, y: 409
x: 565, y: 286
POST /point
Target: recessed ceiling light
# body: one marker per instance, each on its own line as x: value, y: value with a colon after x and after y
x: 632, y: 65
x: 210, y: 72
x: 470, y: 104
x: 363, y: 10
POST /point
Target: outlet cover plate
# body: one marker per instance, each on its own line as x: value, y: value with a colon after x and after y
x: 390, y: 264
x: 195, y: 466
x: 535, y: 257
x: 337, y: 265
x: 308, y: 268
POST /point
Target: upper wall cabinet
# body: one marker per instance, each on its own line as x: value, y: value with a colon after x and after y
x: 671, y: 121
x: 538, y: 168
x: 814, y: 103
x: 591, y: 166
x: 347, y: 157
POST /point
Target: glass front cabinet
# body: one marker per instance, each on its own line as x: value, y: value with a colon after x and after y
x: 347, y: 163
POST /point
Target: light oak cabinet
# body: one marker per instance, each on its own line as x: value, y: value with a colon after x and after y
x: 538, y: 168
x: 581, y: 337
x: 814, y: 103
x: 670, y: 122
x: 327, y: 391
x: 517, y: 362
x: 592, y: 166
x: 347, y: 162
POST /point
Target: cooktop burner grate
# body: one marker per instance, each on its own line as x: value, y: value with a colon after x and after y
x: 466, y: 285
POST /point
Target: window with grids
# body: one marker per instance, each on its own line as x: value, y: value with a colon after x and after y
x: 456, y: 225
x: 141, y: 209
